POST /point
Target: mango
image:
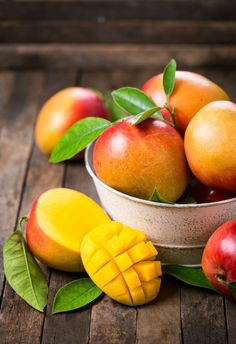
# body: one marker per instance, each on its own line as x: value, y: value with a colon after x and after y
x: 121, y: 261
x: 57, y: 224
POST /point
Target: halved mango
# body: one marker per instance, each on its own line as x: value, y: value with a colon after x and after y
x: 57, y: 224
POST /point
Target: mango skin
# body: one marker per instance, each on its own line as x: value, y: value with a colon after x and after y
x: 49, y: 250
x: 136, y: 159
x: 61, y: 111
x: 210, y: 145
x: 121, y: 261
x: 192, y: 91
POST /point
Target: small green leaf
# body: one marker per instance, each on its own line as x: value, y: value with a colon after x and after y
x: 115, y: 112
x: 78, y: 137
x: 169, y: 77
x: 156, y: 197
x: 192, y: 276
x: 23, y: 272
x: 232, y: 287
x: 146, y: 114
x: 187, y: 200
x: 132, y: 100
x: 74, y: 295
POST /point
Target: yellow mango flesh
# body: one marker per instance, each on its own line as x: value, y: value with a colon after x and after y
x: 57, y: 224
x: 121, y: 261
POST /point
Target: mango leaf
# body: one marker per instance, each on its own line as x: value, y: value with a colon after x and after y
x: 78, y: 137
x: 115, y: 112
x: 169, y: 77
x: 146, y: 114
x: 156, y: 197
x: 232, y: 287
x: 74, y: 295
x: 132, y: 100
x: 192, y: 276
x: 23, y: 272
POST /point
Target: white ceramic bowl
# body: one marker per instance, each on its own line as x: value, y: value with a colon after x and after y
x: 179, y: 231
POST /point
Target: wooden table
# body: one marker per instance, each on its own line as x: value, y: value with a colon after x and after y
x: 181, y: 314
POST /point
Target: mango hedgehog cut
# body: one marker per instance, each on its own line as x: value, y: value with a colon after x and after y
x: 122, y: 262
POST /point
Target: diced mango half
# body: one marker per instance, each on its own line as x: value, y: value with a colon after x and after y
x: 122, y: 262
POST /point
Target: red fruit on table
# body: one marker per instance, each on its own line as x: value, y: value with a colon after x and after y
x: 219, y: 257
x: 61, y: 111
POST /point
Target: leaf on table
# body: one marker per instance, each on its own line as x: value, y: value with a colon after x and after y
x: 232, y: 287
x: 146, y: 114
x: 192, y: 276
x: 78, y: 137
x: 132, y: 100
x: 75, y: 294
x: 169, y: 77
x: 23, y: 272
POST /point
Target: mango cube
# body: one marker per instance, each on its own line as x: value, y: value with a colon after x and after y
x: 121, y: 261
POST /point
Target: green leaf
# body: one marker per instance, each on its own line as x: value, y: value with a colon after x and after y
x: 132, y: 100
x: 115, y: 112
x: 146, y: 114
x: 23, y: 272
x: 192, y: 276
x: 232, y: 287
x: 187, y: 200
x: 78, y: 137
x: 156, y: 197
x: 169, y: 77
x: 74, y: 295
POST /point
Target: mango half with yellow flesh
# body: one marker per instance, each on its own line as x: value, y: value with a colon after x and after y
x: 57, y: 224
x: 121, y: 261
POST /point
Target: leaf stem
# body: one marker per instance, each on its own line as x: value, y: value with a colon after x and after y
x: 20, y: 222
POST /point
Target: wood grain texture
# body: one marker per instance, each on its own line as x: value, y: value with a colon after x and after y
x: 6, y: 85
x: 112, y: 323
x: 105, y: 56
x: 17, y: 130
x: 18, y: 101
x: 202, y: 315
x: 122, y: 9
x: 159, y: 322
x: 119, y: 31
x: 230, y: 308
x: 15, y: 313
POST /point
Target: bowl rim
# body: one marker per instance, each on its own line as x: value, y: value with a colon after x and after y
x: 90, y: 169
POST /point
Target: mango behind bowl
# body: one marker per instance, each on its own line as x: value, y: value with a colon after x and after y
x: 61, y: 111
x: 57, y: 224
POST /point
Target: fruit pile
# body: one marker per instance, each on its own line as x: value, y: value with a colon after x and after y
x: 174, y: 141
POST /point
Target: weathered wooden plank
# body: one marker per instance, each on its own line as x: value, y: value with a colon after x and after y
x: 203, y: 319
x: 230, y: 309
x: 159, y: 322
x: 6, y: 84
x: 125, y: 31
x: 108, y: 56
x: 15, y: 313
x: 16, y: 121
x: 68, y: 327
x: 112, y: 323
x: 104, y: 10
